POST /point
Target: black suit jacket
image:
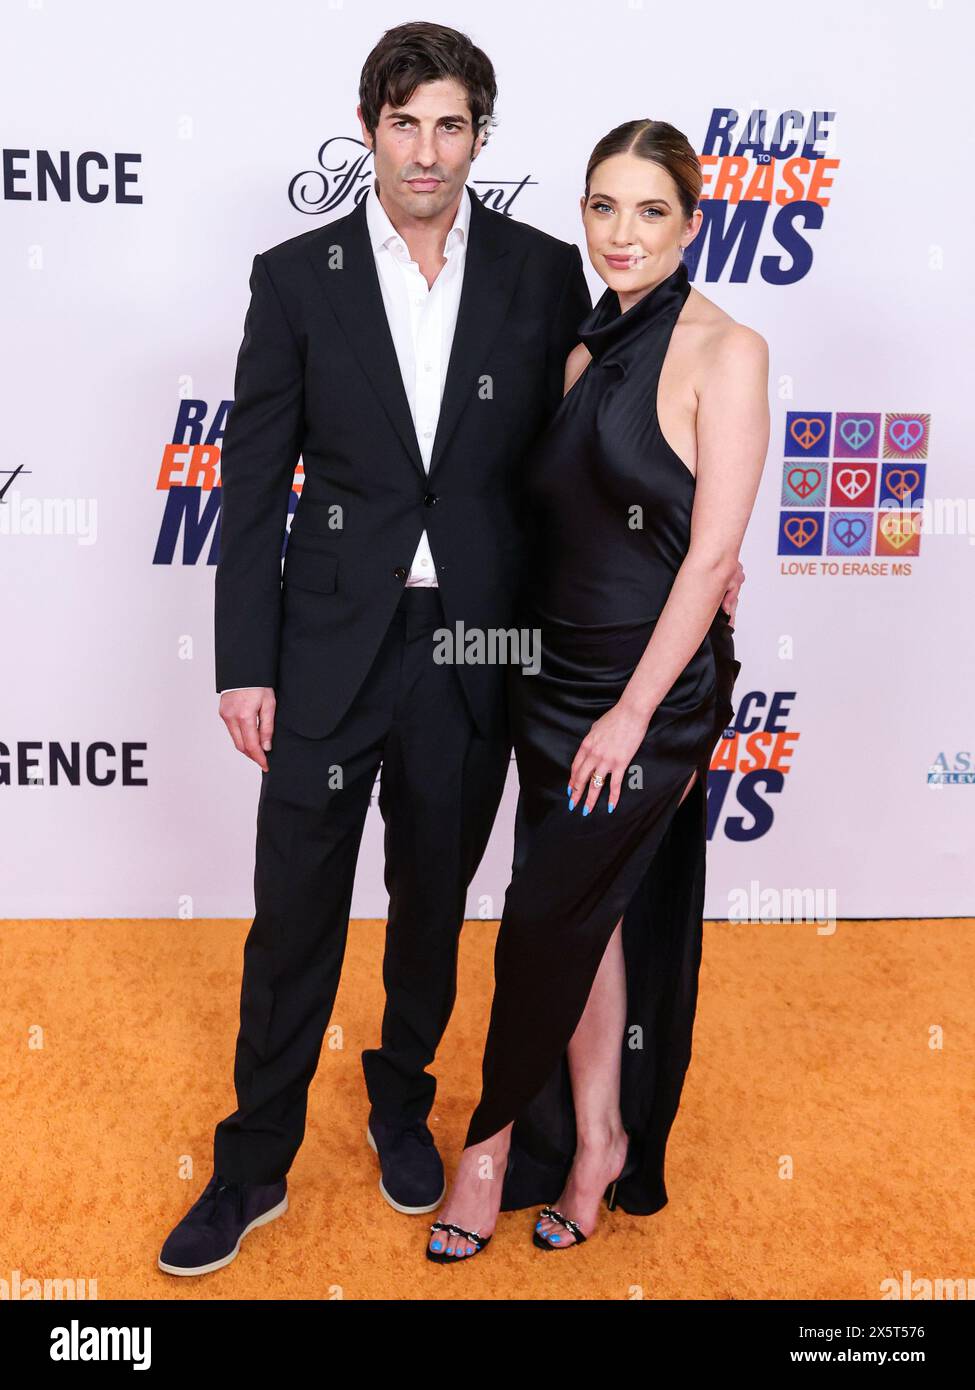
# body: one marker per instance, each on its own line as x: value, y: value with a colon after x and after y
x: 317, y: 376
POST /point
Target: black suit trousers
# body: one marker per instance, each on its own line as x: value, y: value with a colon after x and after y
x: 440, y: 786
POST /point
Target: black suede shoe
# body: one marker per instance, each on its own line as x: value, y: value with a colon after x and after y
x: 209, y: 1235
x: 412, y: 1174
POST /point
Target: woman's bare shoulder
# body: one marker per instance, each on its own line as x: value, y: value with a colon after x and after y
x: 714, y: 333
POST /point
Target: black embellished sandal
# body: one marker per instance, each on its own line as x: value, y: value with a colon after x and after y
x: 472, y: 1237
x: 572, y: 1227
x: 565, y: 1221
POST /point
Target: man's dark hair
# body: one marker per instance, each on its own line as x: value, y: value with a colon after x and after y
x: 420, y: 52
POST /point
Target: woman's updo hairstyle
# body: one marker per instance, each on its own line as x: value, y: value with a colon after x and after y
x: 662, y: 143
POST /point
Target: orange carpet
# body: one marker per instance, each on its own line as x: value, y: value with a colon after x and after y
x: 824, y: 1142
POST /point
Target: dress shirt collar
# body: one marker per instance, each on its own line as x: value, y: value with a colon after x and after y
x: 383, y: 233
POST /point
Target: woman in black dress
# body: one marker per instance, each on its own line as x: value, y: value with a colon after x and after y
x: 639, y: 495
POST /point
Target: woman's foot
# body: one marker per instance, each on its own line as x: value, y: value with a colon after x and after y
x: 598, y: 1161
x: 474, y: 1199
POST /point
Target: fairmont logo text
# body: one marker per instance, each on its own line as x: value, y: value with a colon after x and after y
x: 344, y: 172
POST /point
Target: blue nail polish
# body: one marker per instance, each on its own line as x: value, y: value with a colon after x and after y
x: 436, y: 1246
x: 569, y: 789
x: 585, y: 810
x: 612, y: 805
x: 554, y: 1238
x: 572, y: 805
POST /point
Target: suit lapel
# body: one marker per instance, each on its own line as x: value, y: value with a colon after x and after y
x: 355, y: 296
x: 490, y: 272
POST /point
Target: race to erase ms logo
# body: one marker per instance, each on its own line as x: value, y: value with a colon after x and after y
x: 768, y: 181
x: 189, y: 475
x: 853, y: 491
x: 750, y: 765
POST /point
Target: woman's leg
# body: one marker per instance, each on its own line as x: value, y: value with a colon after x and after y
x: 474, y: 1199
x: 594, y: 1067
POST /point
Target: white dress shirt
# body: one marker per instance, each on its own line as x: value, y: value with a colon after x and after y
x: 421, y: 322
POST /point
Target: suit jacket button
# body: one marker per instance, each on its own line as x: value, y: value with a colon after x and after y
x: 430, y: 499
x: 400, y: 572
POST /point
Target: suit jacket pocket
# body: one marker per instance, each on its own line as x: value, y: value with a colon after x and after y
x: 310, y: 569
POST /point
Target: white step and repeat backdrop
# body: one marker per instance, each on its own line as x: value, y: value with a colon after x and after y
x: 150, y: 148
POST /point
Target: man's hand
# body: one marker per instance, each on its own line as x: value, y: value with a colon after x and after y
x: 730, y: 601
x: 249, y: 717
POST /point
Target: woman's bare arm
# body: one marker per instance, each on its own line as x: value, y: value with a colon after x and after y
x: 732, y: 442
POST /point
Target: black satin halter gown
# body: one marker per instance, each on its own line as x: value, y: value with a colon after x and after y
x: 610, y: 504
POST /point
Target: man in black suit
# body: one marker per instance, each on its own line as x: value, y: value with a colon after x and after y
x: 408, y: 522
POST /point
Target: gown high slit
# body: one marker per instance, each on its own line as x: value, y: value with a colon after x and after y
x: 609, y: 506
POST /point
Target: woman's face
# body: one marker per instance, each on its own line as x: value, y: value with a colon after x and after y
x: 634, y: 223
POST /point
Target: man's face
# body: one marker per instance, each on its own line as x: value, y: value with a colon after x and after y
x: 423, y: 150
